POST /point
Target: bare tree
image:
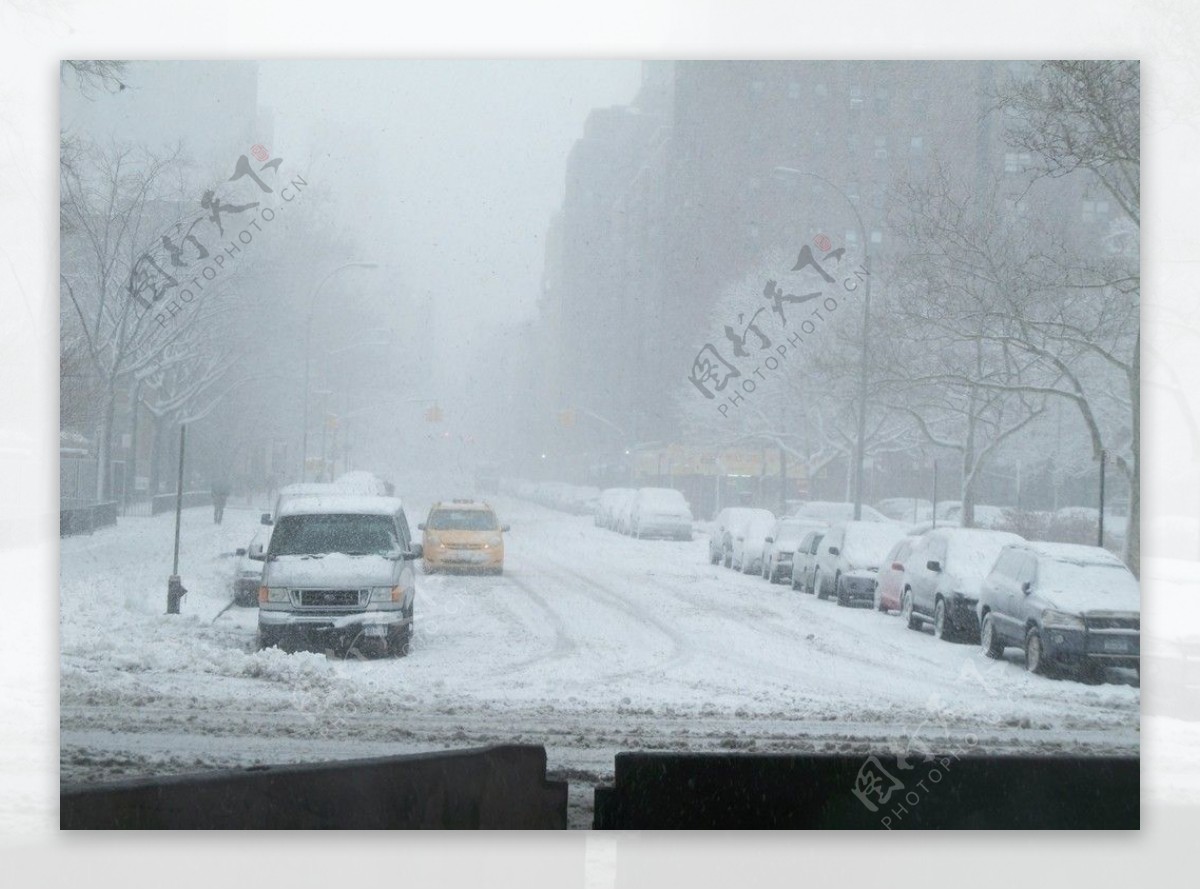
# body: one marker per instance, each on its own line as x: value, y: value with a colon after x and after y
x: 1084, y: 117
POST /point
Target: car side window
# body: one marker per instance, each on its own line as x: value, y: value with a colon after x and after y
x: 1028, y: 570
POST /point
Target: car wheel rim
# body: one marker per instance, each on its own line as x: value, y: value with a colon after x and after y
x: 987, y: 633
x: 939, y: 619
x: 1033, y: 653
x: 906, y: 606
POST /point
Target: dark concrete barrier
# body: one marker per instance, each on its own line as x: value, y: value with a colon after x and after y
x: 759, y: 791
x: 498, y: 787
x: 83, y: 520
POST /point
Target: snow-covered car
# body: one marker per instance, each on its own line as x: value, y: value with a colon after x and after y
x: 1072, y: 608
x: 986, y: 515
x: 720, y: 537
x: 247, y: 577
x: 836, y: 511
x: 361, y: 482
x: 750, y: 541
x: 610, y: 500
x: 462, y: 536
x: 338, y: 571
x: 943, y: 575
x: 910, y: 510
x: 889, y: 586
x: 660, y: 513
x: 804, y: 560
x: 781, y: 545
x: 290, y: 493
x: 623, y: 513
x: 849, y: 558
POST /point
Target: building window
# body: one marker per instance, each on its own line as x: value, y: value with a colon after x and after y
x: 852, y: 190
x: 851, y: 236
x: 876, y: 236
x: 856, y: 98
x: 916, y: 144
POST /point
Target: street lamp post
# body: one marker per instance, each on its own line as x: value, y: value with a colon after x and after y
x: 312, y: 301
x: 860, y: 447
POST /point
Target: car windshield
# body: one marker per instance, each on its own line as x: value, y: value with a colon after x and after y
x: 462, y: 520
x: 318, y: 533
x: 1100, y: 581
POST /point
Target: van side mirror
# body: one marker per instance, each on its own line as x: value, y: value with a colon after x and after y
x: 256, y: 553
x: 834, y: 551
x: 415, y: 551
x: 265, y: 519
x: 933, y: 565
x: 420, y: 526
x: 241, y: 551
x: 505, y: 527
x: 770, y: 540
x: 1027, y: 587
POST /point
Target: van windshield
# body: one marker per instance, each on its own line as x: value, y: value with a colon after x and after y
x: 352, y: 533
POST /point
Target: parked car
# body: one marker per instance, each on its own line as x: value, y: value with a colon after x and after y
x: 943, y: 575
x: 297, y: 490
x: 781, y: 546
x: 889, y: 587
x: 462, y: 536
x: 623, y: 514
x: 750, y: 541
x: 836, y: 511
x: 849, y: 558
x: 338, y: 570
x: 610, y: 499
x: 660, y: 513
x: 909, y: 510
x: 986, y: 515
x: 361, y: 482
x: 720, y: 538
x: 247, y: 577
x: 1072, y: 609
x: 804, y: 561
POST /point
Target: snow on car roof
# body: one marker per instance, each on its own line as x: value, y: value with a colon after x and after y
x: 461, y: 505
x: 1080, y: 553
x: 343, y: 503
x: 306, y: 488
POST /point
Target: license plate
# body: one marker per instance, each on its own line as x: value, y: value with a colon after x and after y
x: 1117, y: 645
x: 375, y: 630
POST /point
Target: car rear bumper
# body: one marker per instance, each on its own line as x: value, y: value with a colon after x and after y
x: 464, y: 560
x: 662, y: 528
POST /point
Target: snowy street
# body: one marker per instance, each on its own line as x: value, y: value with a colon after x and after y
x: 591, y: 643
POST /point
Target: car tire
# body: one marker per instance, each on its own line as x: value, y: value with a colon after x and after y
x: 795, y: 585
x: 1035, y: 654
x: 839, y: 591
x: 819, y: 586
x: 879, y: 606
x: 911, y: 620
x: 269, y: 639
x: 399, y: 641
x: 766, y: 572
x: 729, y: 559
x: 993, y: 646
x: 943, y: 627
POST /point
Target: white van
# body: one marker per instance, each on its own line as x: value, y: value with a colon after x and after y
x: 338, y: 572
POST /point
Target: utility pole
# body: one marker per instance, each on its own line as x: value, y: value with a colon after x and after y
x: 934, y: 517
x: 175, y: 588
x: 1103, y: 461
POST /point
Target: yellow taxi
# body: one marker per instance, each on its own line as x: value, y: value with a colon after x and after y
x: 462, y: 536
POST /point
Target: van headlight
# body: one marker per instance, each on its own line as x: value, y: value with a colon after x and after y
x: 1064, y: 620
x: 274, y: 595
x: 386, y: 594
